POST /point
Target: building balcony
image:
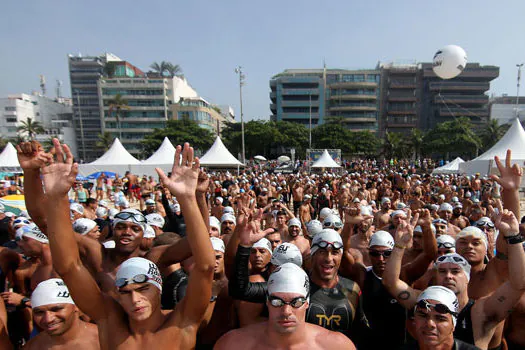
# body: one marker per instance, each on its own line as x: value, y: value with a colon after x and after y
x: 353, y: 108
x: 458, y: 86
x: 348, y: 120
x: 353, y: 84
x: 141, y: 108
x: 9, y: 113
x: 488, y: 73
x: 402, y: 98
x: 306, y: 104
x: 401, y: 84
x: 273, y: 95
x: 142, y: 85
x: 401, y: 122
x: 273, y: 107
x: 289, y: 115
x: 464, y: 112
x: 136, y: 97
x: 402, y: 111
x: 475, y: 99
x: 93, y: 74
x: 354, y: 97
x: 300, y: 92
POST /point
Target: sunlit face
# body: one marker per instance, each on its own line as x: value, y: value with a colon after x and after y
x: 281, y: 220
x: 76, y: 215
x: 441, y: 229
x: 219, y: 263
x: 275, y: 239
x: 30, y: 247
x: 471, y: 248
x: 443, y: 251
x: 227, y: 227
x: 259, y: 258
x: 364, y: 225
x: 139, y: 300
x: 286, y: 319
x: 431, y: 327
x: 94, y: 233
x: 396, y: 220
x: 452, y: 276
x: 445, y: 214
x: 214, y: 232
x: 55, y: 319
x: 128, y: 236
x: 294, y: 231
x: 417, y: 241
x: 325, y: 263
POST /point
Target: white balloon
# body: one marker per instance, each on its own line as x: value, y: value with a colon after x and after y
x: 449, y: 62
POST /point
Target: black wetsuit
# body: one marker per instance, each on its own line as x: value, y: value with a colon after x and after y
x: 458, y: 345
x: 463, y: 330
x: 173, y: 289
x: 385, y: 315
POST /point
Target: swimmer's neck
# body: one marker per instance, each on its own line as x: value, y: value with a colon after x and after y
x: 150, y: 325
x: 286, y: 341
x: 74, y: 332
x: 119, y: 257
x: 323, y: 283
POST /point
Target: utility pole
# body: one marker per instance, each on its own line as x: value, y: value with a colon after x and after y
x: 519, y: 65
x: 238, y: 70
x: 310, y: 136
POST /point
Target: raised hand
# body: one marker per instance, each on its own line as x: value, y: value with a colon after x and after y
x: 31, y: 155
x: 250, y: 231
x: 510, y: 176
x: 203, y: 182
x: 404, y: 233
x: 60, y: 175
x: 424, y: 218
x: 184, y: 174
x: 507, y: 224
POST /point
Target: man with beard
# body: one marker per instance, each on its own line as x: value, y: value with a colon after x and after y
x: 363, y: 230
x: 445, y: 213
x: 478, y: 320
x: 306, y: 210
x: 458, y: 219
x: 382, y: 217
x: 55, y: 314
x: 288, y: 291
x: 227, y: 227
x: 295, y: 236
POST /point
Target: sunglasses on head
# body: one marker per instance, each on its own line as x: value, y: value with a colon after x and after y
x: 377, y: 253
x: 485, y: 224
x: 325, y: 244
x: 447, y: 245
x: 295, y: 302
x: 135, y: 217
x: 440, y: 308
x: 122, y: 282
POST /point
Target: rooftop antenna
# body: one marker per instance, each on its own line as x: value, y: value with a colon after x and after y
x: 43, y: 84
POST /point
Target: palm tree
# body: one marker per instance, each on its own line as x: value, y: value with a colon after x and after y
x: 166, y: 67
x: 174, y: 69
x: 104, y: 141
x: 393, y: 144
x: 492, y: 133
x: 31, y: 128
x: 416, y: 141
x: 3, y: 143
x: 117, y: 104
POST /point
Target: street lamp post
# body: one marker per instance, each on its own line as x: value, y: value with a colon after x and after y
x: 519, y: 65
x: 238, y: 70
x: 310, y: 136
x: 81, y: 126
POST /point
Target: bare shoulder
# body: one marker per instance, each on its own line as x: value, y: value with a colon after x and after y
x: 38, y: 342
x: 326, y: 339
x: 242, y: 338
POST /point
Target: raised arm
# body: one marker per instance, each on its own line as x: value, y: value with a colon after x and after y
x: 509, y: 179
x: 400, y: 290
x: 182, y: 183
x: 200, y: 193
x: 58, y: 177
x: 498, y: 305
x: 32, y: 157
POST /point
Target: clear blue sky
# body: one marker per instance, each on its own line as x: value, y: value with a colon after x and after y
x: 210, y: 38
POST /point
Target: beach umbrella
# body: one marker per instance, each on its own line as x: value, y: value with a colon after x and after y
x: 14, y: 203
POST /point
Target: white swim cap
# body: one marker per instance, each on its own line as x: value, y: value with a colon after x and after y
x: 326, y: 235
x: 474, y: 232
x: 155, y: 219
x: 445, y: 207
x: 289, y: 278
x: 286, y: 253
x: 214, y: 222
x: 218, y: 244
x: 227, y: 210
x: 332, y: 221
x: 324, y: 213
x: 381, y: 239
x: 109, y: 244
x: 112, y: 212
x: 263, y: 243
x: 220, y: 199
x: 313, y: 227
x: 76, y: 207
x: 31, y: 231
x: 130, y: 215
x: 456, y: 259
x: 149, y: 232
x: 446, y: 241
x: 228, y: 217
x: 101, y: 212
x: 294, y: 222
x: 83, y: 226
x: 49, y: 292
x: 131, y: 269
x: 366, y: 210
x: 444, y: 296
x: 398, y: 212
x: 103, y: 203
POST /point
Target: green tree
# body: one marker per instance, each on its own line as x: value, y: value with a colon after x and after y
x: 165, y: 67
x: 332, y: 135
x: 178, y: 132
x: 109, y: 69
x: 3, y: 143
x: 456, y: 136
x: 174, y: 69
x: 416, y: 142
x: 117, y: 105
x: 104, y: 141
x: 365, y: 143
x: 491, y: 133
x: 31, y: 128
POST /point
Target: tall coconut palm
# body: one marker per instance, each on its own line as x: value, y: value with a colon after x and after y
x: 166, y: 67
x: 118, y: 104
x: 31, y: 128
x: 173, y: 69
x: 416, y: 142
x: 104, y: 141
x: 491, y: 133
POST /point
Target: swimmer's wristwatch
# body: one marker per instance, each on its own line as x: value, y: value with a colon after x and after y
x: 23, y: 302
x: 515, y: 238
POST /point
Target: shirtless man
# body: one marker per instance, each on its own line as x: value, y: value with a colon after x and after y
x: 55, y: 313
x: 134, y: 320
x: 146, y: 189
x: 298, y: 195
x: 306, y: 210
x: 363, y: 230
x: 288, y: 291
x: 296, y: 237
x: 382, y: 217
x: 458, y: 218
x: 445, y: 212
x: 343, y: 197
x: 100, y: 186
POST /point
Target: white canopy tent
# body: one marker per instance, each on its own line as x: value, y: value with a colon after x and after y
x: 9, y: 159
x: 116, y: 160
x: 514, y: 140
x: 449, y: 168
x: 218, y: 156
x: 325, y: 161
x: 162, y: 158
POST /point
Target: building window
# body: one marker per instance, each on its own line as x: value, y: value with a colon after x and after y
x: 10, y: 109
